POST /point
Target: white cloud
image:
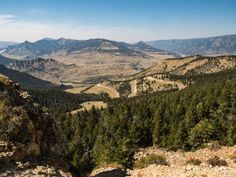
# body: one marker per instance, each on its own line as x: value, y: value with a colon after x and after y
x: 16, y: 30
x: 6, y: 18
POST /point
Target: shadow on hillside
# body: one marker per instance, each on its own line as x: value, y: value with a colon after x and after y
x: 112, y: 173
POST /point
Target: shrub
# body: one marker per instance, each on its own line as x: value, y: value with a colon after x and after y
x: 150, y: 159
x: 216, y: 161
x: 233, y: 156
x: 194, y: 161
x: 214, y: 146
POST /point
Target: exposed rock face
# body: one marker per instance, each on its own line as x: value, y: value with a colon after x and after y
x: 220, y: 45
x: 47, y: 69
x: 177, y: 164
x: 26, y: 131
x: 157, y: 77
x: 26, y: 80
x: 22, y: 169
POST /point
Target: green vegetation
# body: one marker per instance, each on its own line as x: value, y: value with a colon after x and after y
x: 59, y: 101
x: 186, y: 119
x: 216, y: 161
x: 14, y: 118
x: 233, y: 157
x: 150, y: 159
x: 194, y: 161
x: 25, y: 80
x: 214, y: 146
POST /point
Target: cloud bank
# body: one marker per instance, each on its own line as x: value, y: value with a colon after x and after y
x: 13, y: 29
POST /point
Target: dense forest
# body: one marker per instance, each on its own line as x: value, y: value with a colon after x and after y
x: 57, y: 100
x: 185, y: 120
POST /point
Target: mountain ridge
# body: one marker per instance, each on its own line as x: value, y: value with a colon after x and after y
x: 166, y: 75
x: 25, y: 80
x: 29, y: 50
x: 218, y: 45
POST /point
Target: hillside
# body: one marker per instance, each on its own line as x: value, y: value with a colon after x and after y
x: 29, y: 50
x: 24, y: 79
x: 159, y: 162
x: 162, y: 76
x: 185, y: 120
x: 220, y: 45
x: 69, y: 74
x: 5, y: 44
x: 28, y: 135
x: 191, y: 65
x: 176, y: 120
x: 47, y: 69
x: 85, y: 61
x: 5, y: 61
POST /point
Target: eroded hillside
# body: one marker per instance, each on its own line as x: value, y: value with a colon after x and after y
x: 27, y: 133
x: 162, y: 76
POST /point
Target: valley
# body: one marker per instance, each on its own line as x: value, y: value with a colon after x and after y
x: 117, y: 88
x: 161, y: 76
x: 108, y: 108
x: 80, y: 63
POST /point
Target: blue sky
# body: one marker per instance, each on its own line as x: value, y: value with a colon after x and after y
x: 122, y: 20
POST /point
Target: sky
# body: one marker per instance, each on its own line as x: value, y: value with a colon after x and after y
x: 121, y: 20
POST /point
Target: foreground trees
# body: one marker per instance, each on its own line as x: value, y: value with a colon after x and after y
x: 184, y: 120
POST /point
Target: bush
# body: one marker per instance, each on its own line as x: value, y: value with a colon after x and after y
x: 194, y: 161
x: 233, y: 156
x: 150, y: 159
x: 214, y: 146
x: 216, y: 161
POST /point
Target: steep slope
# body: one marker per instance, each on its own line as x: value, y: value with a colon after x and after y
x: 26, y: 133
x: 47, y: 69
x: 71, y: 74
x: 26, y: 80
x: 5, y: 44
x: 142, y: 46
x: 182, y: 164
x: 162, y: 76
x: 220, y: 45
x: 191, y: 65
x: 181, y: 121
x: 5, y: 61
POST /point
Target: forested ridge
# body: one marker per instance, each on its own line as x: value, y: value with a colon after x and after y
x: 57, y: 100
x: 186, y: 120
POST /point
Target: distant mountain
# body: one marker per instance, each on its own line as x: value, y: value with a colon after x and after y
x: 5, y: 44
x: 85, y: 61
x: 142, y: 46
x: 28, y: 50
x: 5, y: 61
x: 220, y: 45
x: 25, y: 80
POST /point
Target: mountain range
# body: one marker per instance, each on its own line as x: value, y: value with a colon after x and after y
x: 178, y: 103
x: 220, y: 45
x: 83, y: 63
x: 5, y: 44
x: 29, y: 50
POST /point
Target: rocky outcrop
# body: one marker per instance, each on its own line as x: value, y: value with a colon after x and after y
x: 27, y: 132
x: 179, y: 164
